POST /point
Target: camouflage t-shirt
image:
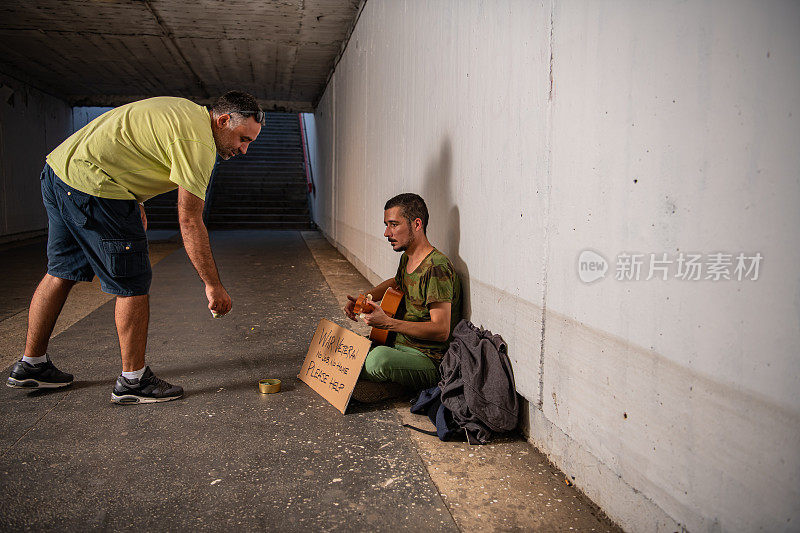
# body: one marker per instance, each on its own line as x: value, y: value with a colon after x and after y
x: 434, y: 280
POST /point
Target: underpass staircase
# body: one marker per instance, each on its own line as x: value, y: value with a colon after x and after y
x: 263, y: 189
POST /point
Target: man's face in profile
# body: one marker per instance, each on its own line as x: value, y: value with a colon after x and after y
x: 398, y: 229
x: 234, y: 135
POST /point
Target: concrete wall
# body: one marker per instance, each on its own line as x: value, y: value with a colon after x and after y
x: 537, y: 130
x: 82, y: 115
x: 32, y: 123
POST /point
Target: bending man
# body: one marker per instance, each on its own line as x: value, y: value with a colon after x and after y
x: 93, y: 187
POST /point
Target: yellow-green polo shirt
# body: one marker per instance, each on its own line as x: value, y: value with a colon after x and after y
x: 139, y: 150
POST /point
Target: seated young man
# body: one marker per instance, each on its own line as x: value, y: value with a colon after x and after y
x: 431, y: 305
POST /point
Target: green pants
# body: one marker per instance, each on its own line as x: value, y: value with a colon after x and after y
x: 401, y: 364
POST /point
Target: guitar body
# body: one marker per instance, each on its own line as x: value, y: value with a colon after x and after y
x: 390, y: 304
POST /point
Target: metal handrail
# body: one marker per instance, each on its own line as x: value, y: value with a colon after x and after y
x: 309, y: 176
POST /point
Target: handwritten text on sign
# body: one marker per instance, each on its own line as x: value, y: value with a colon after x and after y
x: 333, y: 363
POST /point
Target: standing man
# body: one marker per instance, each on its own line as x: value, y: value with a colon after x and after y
x: 431, y: 307
x: 93, y: 187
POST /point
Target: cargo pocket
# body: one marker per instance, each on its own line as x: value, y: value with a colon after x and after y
x: 74, y: 205
x: 126, y: 257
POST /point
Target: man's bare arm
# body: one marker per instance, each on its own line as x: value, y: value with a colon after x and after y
x: 143, y: 215
x: 378, y: 292
x: 198, y: 248
x: 195, y: 236
x: 437, y: 329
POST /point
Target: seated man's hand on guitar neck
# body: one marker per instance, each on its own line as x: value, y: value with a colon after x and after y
x: 350, y: 308
x: 377, y: 295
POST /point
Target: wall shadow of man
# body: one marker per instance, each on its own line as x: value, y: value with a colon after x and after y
x: 445, y: 217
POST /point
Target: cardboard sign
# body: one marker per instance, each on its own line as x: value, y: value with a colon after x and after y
x: 333, y: 363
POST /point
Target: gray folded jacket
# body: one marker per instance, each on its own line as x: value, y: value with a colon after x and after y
x: 478, y: 382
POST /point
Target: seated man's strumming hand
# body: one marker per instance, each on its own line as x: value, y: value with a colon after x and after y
x: 378, y: 318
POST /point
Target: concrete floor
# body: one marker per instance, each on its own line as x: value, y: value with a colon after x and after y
x: 226, y: 457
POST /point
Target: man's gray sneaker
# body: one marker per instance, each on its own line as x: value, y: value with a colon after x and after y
x: 147, y: 389
x: 39, y: 376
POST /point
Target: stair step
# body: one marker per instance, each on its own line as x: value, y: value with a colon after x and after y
x: 262, y: 194
x: 216, y: 211
x: 265, y: 188
x: 228, y: 189
x: 265, y: 157
x: 267, y: 177
x: 259, y: 205
x: 264, y: 177
x: 260, y: 181
x: 286, y: 146
x: 262, y: 174
x: 279, y: 155
x: 262, y: 225
x: 293, y: 199
x: 254, y: 179
x: 282, y: 144
x: 254, y: 166
x: 250, y: 217
x: 278, y: 140
x: 268, y: 152
x: 233, y: 186
x: 269, y: 155
x: 257, y: 168
x: 259, y: 184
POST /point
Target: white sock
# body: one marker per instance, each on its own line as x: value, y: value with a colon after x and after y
x: 35, y: 360
x: 136, y: 374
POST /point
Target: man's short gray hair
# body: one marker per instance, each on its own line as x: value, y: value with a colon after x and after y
x: 239, y: 102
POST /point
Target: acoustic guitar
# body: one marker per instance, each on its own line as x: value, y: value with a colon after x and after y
x: 389, y: 304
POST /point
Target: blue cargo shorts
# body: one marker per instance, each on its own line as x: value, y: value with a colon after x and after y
x: 90, y: 236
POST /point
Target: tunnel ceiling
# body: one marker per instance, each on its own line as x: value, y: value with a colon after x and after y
x: 110, y: 52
